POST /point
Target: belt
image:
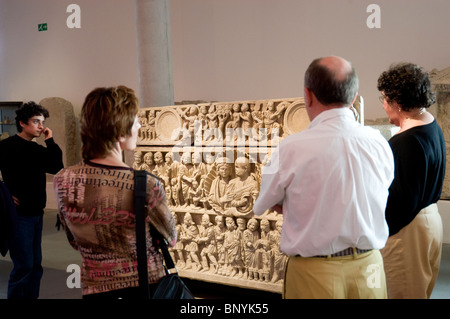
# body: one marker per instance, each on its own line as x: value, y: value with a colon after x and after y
x: 346, y: 252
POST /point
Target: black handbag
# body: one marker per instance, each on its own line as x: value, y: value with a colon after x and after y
x: 170, y: 286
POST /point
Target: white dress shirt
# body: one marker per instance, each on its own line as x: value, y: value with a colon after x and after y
x: 332, y: 180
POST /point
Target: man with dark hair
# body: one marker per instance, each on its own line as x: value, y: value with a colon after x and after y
x: 331, y: 183
x: 23, y: 164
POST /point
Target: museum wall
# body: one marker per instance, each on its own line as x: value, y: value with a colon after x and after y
x: 257, y: 49
x: 222, y: 50
x: 65, y: 62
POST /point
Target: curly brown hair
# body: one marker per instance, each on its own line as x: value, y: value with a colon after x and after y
x: 407, y: 84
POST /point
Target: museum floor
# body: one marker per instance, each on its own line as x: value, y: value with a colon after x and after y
x: 57, y: 255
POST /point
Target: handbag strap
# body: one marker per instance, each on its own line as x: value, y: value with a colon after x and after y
x: 160, y: 242
x: 140, y: 190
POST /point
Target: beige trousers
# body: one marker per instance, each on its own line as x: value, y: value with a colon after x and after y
x: 412, y: 257
x: 348, y: 277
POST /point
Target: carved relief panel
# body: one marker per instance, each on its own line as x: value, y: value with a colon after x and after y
x: 210, y: 157
x: 245, y: 122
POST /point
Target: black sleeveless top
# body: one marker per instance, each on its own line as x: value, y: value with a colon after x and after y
x: 419, y: 155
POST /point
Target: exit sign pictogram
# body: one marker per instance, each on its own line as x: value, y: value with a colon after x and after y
x: 42, y: 27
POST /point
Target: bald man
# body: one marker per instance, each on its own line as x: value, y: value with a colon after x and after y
x: 331, y: 184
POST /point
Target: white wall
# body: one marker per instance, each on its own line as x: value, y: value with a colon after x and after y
x: 222, y: 50
x: 255, y: 49
x: 65, y: 62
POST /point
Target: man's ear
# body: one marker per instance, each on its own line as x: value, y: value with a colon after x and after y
x: 308, y: 96
x: 354, y: 99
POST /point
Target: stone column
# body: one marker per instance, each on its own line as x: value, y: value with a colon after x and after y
x: 154, y: 53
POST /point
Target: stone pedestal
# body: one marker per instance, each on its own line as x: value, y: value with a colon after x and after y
x: 64, y: 126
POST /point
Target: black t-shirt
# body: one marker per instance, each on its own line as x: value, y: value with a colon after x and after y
x: 419, y: 155
x: 23, y: 165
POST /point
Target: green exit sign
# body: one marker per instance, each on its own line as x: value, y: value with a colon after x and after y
x: 42, y: 27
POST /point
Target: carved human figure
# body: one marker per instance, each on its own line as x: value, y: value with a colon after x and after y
x: 202, y: 117
x: 149, y: 164
x: 241, y: 227
x: 212, y: 131
x: 207, y: 240
x: 217, y: 194
x: 281, y: 107
x: 200, y: 168
x: 178, y: 249
x: 175, y: 191
x: 223, y: 116
x: 242, y: 191
x: 172, y: 167
x: 151, y: 120
x: 209, y: 161
x: 250, y: 238
x: 219, y: 233
x: 195, y: 194
x: 279, y: 258
x: 137, y: 160
x: 235, y: 124
x: 233, y: 249
x: 168, y: 190
x: 160, y: 168
x: 186, y: 175
x: 189, y: 126
x: 247, y: 120
x: 143, y: 121
x: 271, y: 116
x: 263, y: 251
x: 189, y: 236
x: 257, y: 119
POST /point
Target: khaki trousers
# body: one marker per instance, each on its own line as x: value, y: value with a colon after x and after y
x: 412, y: 257
x: 347, y: 277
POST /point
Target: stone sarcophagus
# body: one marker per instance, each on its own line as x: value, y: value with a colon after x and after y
x: 210, y: 157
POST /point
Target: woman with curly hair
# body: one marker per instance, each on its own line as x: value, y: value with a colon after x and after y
x: 412, y: 253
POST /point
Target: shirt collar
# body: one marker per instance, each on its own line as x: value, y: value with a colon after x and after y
x: 343, y: 112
